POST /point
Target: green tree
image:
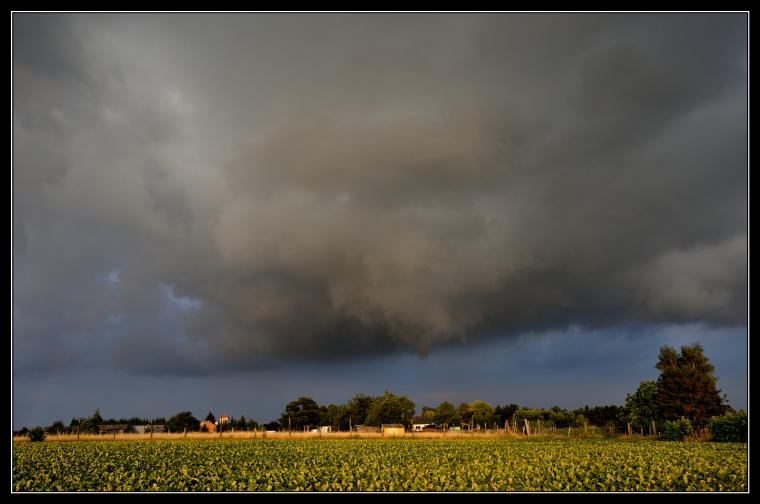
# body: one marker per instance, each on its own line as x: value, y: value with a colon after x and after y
x: 182, y: 421
x: 464, y: 411
x: 356, y: 409
x: 561, y: 418
x: 390, y: 409
x: 732, y: 428
x: 36, y: 434
x: 686, y: 386
x: 57, y: 427
x: 210, y: 418
x: 96, y: 418
x: 301, y: 412
x: 88, y: 426
x: 641, y: 408
x: 447, y: 413
x: 482, y: 412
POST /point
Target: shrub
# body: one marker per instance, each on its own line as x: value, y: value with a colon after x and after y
x: 676, y: 431
x: 731, y: 428
x: 36, y: 434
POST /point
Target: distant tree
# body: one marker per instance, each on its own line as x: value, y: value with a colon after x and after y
x: 356, y: 410
x: 210, y: 417
x: 531, y: 415
x: 447, y: 413
x: 640, y: 408
x: 300, y: 413
x: 96, y: 418
x: 561, y: 418
x: 390, y: 409
x: 686, y: 386
x: 428, y: 411
x: 505, y: 412
x: 88, y: 426
x: 251, y: 425
x: 334, y: 416
x: 464, y: 410
x: 240, y: 424
x: 57, y: 427
x: 182, y: 421
x: 36, y: 434
x: 24, y: 431
x: 580, y: 421
x: 482, y: 412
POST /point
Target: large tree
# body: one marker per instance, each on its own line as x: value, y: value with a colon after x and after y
x: 447, y: 413
x: 301, y: 413
x: 390, y: 409
x: 686, y: 386
x: 182, y: 421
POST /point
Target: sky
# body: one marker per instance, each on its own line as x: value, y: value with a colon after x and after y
x: 226, y: 212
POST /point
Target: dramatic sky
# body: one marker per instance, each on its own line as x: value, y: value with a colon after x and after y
x: 228, y: 211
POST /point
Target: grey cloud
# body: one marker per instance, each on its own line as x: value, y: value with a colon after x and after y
x: 324, y: 187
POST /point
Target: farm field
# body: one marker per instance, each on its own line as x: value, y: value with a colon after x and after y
x: 403, y: 464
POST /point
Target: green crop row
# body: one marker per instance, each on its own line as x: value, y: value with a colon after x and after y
x: 379, y: 464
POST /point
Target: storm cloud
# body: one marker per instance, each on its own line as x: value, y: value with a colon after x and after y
x: 208, y: 193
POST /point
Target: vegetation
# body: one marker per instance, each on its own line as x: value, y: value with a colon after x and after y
x: 641, y: 409
x: 379, y: 464
x: 676, y: 431
x: 729, y: 427
x: 36, y: 434
x: 686, y: 386
x: 183, y: 421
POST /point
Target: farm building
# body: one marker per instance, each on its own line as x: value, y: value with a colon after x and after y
x: 393, y: 429
x: 208, y: 426
x: 114, y: 429
x: 420, y: 422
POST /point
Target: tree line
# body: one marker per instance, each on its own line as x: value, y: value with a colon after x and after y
x: 684, y: 397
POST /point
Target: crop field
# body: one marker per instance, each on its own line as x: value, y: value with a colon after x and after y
x: 379, y: 465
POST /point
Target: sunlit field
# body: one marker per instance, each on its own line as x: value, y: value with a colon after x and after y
x: 337, y: 462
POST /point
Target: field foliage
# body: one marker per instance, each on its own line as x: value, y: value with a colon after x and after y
x: 379, y: 464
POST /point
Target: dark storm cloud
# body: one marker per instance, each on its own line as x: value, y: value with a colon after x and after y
x: 201, y: 193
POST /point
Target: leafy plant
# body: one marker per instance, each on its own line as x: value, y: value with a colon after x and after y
x: 36, y: 434
x: 676, y: 431
x: 731, y: 428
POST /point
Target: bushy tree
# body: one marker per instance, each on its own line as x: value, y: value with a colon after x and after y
x: 356, y: 410
x: 447, y: 413
x: 506, y: 412
x: 729, y: 428
x: 482, y: 412
x: 641, y: 409
x: 300, y: 413
x: 561, y: 418
x: 36, y: 434
x: 57, y: 426
x: 676, y: 430
x: 182, y: 421
x: 96, y: 418
x: 686, y: 386
x: 390, y: 409
x: 88, y: 426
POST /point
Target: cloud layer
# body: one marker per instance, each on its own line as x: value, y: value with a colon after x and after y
x: 200, y: 193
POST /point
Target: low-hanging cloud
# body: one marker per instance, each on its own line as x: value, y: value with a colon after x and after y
x: 205, y: 193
